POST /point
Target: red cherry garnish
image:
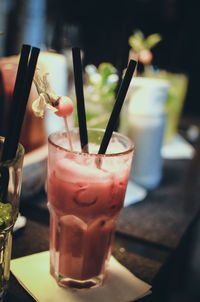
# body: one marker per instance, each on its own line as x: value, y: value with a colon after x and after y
x: 65, y: 106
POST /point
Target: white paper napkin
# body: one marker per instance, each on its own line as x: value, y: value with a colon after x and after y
x: 134, y: 193
x: 178, y: 148
x: 20, y: 223
x: 120, y: 285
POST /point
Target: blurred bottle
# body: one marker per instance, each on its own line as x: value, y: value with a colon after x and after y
x: 144, y: 121
x: 175, y: 100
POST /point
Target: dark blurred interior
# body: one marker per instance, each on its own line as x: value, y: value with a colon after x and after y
x: 102, y: 29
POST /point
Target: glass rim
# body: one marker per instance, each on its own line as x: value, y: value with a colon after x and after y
x: 19, y: 154
x: 130, y: 143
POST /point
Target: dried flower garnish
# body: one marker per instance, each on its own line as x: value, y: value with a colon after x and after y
x: 60, y: 105
x: 47, y: 98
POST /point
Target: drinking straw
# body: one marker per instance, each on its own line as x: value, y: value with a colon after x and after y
x: 80, y: 98
x: 25, y: 73
x: 16, y: 94
x: 117, y: 107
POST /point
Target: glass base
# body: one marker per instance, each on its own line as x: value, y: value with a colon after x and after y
x: 5, y: 255
x: 75, y: 284
x: 3, y: 292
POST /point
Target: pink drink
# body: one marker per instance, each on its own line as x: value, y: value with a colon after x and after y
x: 85, y: 196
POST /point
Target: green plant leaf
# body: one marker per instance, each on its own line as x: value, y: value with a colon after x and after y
x: 105, y: 69
x: 137, y: 41
x: 152, y: 40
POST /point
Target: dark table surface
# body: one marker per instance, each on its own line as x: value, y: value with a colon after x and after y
x: 163, y: 251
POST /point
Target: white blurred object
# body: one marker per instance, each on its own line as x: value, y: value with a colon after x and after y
x: 146, y: 127
x: 56, y: 66
x: 134, y: 193
x: 178, y: 148
x: 147, y: 134
x: 193, y: 133
x: 148, y: 96
x: 20, y: 223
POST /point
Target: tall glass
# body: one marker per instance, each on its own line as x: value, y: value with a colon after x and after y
x: 85, y: 196
x: 175, y: 101
x: 10, y: 187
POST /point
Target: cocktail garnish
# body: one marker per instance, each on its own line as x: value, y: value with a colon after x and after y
x: 5, y: 213
x: 48, y: 99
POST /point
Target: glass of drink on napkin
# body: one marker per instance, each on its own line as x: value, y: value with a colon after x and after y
x: 10, y: 187
x: 85, y: 196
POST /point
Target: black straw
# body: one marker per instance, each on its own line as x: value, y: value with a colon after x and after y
x: 117, y: 107
x: 25, y: 73
x: 22, y: 67
x: 78, y: 79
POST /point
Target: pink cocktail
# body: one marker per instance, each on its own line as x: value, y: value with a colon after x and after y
x: 85, y: 196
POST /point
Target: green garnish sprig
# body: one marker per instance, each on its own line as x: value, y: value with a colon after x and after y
x: 5, y: 214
